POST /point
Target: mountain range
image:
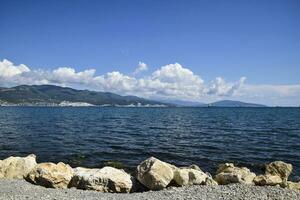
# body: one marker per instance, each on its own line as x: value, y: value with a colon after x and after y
x: 229, y: 103
x: 50, y: 94
x: 56, y: 95
x: 223, y: 103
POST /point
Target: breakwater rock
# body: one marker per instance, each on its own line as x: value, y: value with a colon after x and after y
x: 151, y: 174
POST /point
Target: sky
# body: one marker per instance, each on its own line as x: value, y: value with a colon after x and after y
x: 199, y: 51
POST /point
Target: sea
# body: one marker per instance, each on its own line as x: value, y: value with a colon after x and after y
x: 93, y: 136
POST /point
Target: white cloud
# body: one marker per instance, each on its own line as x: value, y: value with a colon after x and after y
x: 141, y: 67
x: 171, y: 81
x: 221, y: 88
x: 8, y: 69
x: 175, y: 81
x: 67, y: 74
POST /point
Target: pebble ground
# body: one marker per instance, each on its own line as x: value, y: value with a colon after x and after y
x: 22, y: 190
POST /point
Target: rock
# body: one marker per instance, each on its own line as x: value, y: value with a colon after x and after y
x: 196, y: 167
x: 227, y: 173
x: 173, y: 167
x: 210, y: 182
x: 155, y: 174
x: 226, y: 167
x: 51, y: 175
x: 188, y: 176
x: 270, y: 180
x: 17, y: 167
x: 279, y: 168
x: 107, y: 179
x: 208, y: 174
x: 138, y: 186
x: 293, y: 185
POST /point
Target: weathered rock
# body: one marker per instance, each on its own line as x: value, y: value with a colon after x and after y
x: 51, y: 175
x: 1, y: 173
x: 225, y: 167
x: 188, y: 176
x: 107, y: 179
x: 17, y: 167
x: 279, y: 168
x: 196, y: 167
x: 210, y: 181
x: 270, y: 180
x: 227, y: 173
x: 155, y: 174
x: 293, y: 185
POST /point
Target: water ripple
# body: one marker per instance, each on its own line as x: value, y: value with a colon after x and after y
x: 182, y: 136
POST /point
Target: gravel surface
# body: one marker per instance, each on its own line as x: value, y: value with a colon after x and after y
x: 20, y: 189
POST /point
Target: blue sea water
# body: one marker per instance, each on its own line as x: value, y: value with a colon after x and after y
x: 89, y: 136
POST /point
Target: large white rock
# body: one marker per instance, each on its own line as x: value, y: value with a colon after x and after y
x: 188, y: 176
x: 107, y: 179
x: 155, y: 174
x: 17, y: 167
x: 51, y: 175
x: 227, y: 173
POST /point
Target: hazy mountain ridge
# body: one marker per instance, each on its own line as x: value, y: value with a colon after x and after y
x: 223, y: 103
x: 229, y: 103
x: 56, y: 95
x: 181, y: 103
x: 50, y: 94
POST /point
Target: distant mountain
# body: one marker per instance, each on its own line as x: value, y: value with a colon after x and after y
x: 229, y: 103
x: 56, y: 95
x: 224, y: 103
x: 184, y: 103
x: 50, y: 94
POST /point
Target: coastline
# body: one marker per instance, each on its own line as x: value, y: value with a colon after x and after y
x: 24, y: 178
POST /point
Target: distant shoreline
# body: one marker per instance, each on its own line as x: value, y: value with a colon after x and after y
x: 131, y: 106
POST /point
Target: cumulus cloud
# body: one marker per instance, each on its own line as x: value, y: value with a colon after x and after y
x: 67, y: 74
x: 8, y: 69
x: 172, y: 81
x: 221, y: 88
x: 141, y: 67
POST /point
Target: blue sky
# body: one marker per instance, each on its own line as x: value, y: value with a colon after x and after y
x: 228, y: 39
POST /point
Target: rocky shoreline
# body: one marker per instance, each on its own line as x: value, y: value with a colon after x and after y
x: 151, y: 175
